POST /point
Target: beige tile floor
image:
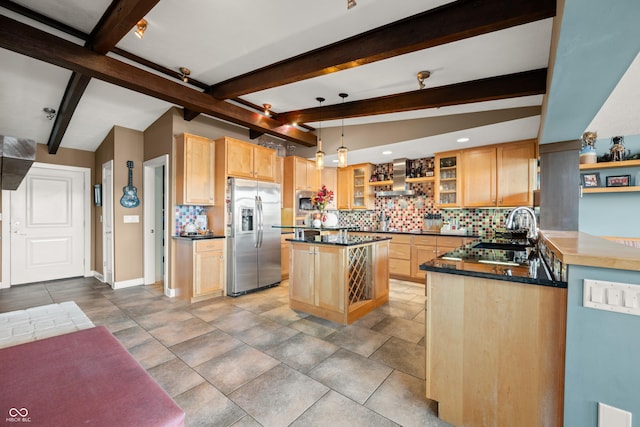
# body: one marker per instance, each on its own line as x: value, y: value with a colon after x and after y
x: 252, y: 361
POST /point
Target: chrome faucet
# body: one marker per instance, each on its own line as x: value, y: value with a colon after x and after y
x: 533, y: 230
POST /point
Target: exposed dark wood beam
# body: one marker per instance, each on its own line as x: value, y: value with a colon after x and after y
x: 454, y: 21
x: 26, y: 40
x: 121, y: 17
x: 72, y: 94
x: 49, y: 22
x: 489, y: 89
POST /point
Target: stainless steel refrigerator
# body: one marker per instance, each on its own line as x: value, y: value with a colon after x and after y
x: 253, y: 245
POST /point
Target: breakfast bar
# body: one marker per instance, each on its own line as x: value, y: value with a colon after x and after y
x: 338, y: 277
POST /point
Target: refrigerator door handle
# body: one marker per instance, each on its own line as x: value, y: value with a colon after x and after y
x: 256, y: 228
x: 261, y: 223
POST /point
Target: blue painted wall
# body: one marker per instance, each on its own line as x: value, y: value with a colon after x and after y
x: 603, y: 353
x: 612, y: 214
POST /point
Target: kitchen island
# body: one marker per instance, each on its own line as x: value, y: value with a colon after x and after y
x: 338, y: 277
x: 495, y: 336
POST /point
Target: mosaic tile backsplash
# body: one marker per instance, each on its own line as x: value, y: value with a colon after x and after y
x: 185, y: 214
x: 407, y: 213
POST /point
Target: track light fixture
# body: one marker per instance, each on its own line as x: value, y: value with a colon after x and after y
x: 50, y: 113
x: 141, y: 27
x: 342, y: 150
x: 267, y: 109
x: 351, y: 3
x: 422, y: 76
x: 184, y: 74
x: 320, y: 153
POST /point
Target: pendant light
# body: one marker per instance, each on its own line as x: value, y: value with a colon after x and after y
x: 342, y: 150
x: 320, y: 153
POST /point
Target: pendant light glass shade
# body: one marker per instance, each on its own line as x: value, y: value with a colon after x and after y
x: 342, y: 150
x: 319, y: 156
x: 320, y: 153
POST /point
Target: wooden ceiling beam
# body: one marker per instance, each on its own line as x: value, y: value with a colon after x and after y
x: 26, y: 40
x: 451, y: 22
x: 116, y: 22
x: 489, y: 89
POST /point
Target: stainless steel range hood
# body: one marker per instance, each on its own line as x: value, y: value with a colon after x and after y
x: 16, y: 157
x: 400, y: 186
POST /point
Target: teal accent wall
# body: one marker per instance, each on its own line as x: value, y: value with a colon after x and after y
x: 603, y: 351
x: 598, y: 41
x: 612, y: 214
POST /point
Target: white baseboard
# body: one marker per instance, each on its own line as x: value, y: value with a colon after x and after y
x: 98, y: 276
x: 171, y: 293
x: 128, y: 283
x: 3, y: 286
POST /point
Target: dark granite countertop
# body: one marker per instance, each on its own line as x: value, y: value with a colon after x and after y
x: 521, y: 265
x: 335, y: 240
x: 199, y: 236
x: 420, y: 233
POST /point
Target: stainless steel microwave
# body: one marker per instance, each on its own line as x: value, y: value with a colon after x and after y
x: 303, y: 202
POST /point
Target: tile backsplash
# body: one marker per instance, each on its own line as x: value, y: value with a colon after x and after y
x: 185, y: 214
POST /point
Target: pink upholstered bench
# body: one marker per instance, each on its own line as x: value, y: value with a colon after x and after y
x: 82, y: 378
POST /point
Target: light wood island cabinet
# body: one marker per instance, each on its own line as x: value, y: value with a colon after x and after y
x: 195, y: 161
x: 202, y: 268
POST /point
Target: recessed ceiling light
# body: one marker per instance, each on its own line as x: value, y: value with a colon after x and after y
x: 386, y: 153
x: 465, y: 139
x: 335, y: 160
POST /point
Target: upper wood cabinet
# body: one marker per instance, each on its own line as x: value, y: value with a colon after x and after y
x: 448, y: 181
x: 329, y: 177
x: 354, y: 191
x: 246, y: 160
x: 299, y: 174
x: 499, y: 175
x: 195, y: 159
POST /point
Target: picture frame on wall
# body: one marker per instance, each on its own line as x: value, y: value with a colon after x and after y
x: 590, y: 180
x: 618, y: 181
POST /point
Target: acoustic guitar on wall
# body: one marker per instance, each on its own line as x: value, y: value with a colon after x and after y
x: 130, y: 197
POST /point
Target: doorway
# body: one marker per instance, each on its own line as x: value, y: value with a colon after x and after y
x: 48, y: 227
x: 107, y: 222
x: 156, y: 230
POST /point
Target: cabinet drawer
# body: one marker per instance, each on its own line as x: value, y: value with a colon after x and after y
x: 399, y: 238
x: 399, y: 251
x: 400, y: 267
x: 209, y: 245
x: 425, y: 240
x: 450, y: 242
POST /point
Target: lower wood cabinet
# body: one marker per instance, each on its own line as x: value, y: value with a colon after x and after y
x: 400, y: 256
x: 284, y: 255
x: 201, y: 271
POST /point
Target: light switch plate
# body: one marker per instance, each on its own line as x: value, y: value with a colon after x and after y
x: 609, y: 416
x: 128, y: 219
x: 611, y: 296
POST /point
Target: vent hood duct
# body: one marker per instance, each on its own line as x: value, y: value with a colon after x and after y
x: 400, y: 187
x: 16, y: 157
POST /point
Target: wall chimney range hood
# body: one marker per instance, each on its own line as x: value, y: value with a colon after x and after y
x: 16, y: 157
x: 400, y: 186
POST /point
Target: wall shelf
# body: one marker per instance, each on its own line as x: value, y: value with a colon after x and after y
x: 609, y: 165
x: 611, y: 189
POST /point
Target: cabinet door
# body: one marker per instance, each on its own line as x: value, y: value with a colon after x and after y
x: 479, y: 177
x: 516, y: 173
x: 264, y: 163
x: 345, y: 179
x: 421, y: 254
x: 448, y: 182
x: 284, y: 259
x: 329, y: 177
x: 195, y: 186
x: 301, y: 280
x: 240, y: 159
x: 330, y: 285
x: 209, y: 272
x: 313, y: 176
x: 300, y: 173
x: 361, y: 196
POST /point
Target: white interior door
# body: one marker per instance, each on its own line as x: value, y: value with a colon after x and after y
x: 107, y: 222
x: 155, y: 222
x: 47, y: 225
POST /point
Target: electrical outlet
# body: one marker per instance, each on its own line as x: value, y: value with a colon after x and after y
x: 611, y: 296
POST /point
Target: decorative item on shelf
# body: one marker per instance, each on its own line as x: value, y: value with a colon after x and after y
x: 590, y: 180
x: 320, y: 153
x: 619, y: 181
x: 618, y: 151
x: 588, y: 150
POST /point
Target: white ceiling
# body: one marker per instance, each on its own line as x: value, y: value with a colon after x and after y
x: 220, y: 39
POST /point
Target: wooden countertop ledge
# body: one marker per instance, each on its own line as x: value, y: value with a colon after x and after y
x: 577, y: 248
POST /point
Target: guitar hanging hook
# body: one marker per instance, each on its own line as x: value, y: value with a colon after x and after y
x: 130, y: 197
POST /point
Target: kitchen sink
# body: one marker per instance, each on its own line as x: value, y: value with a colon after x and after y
x: 502, y: 246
